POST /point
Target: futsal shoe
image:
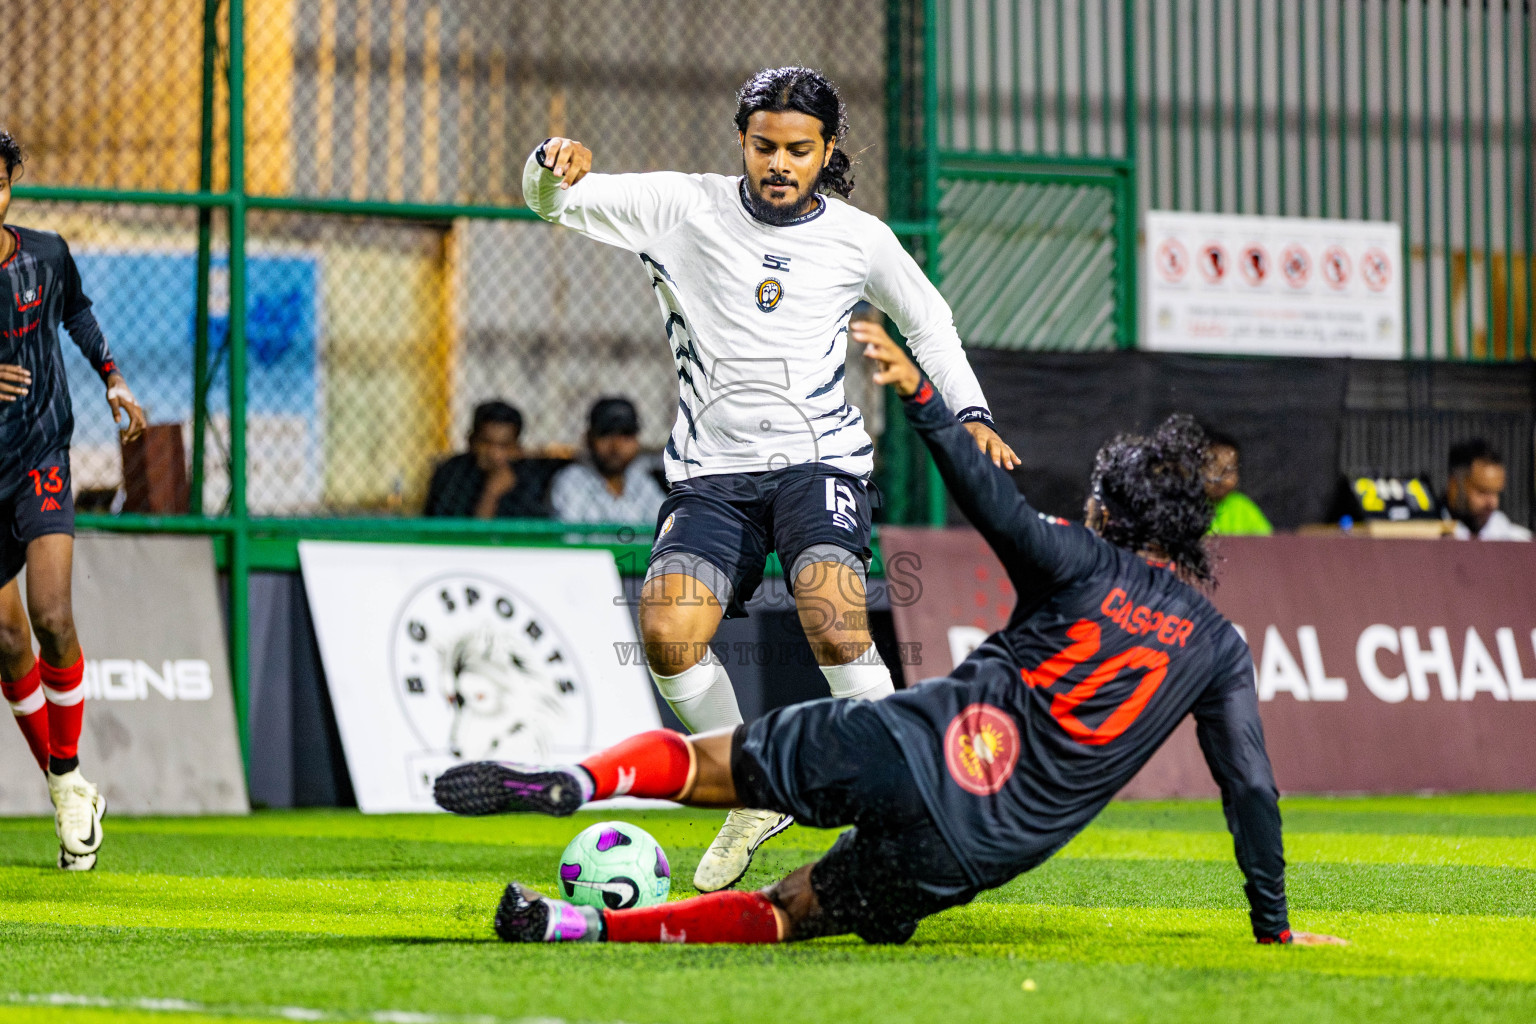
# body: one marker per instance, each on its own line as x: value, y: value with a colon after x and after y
x: 69, y: 862
x: 496, y: 787
x: 527, y: 916
x: 729, y: 856
x: 77, y: 811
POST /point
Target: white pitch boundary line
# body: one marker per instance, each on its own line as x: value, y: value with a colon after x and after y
x: 299, y: 1013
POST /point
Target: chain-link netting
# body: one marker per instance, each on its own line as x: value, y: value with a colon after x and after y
x: 109, y: 93
x: 442, y: 100
x: 372, y: 338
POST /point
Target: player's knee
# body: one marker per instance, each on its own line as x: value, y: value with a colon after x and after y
x: 842, y: 649
x: 15, y: 636
x: 668, y: 641
x: 840, y: 640
x: 670, y: 657
x: 54, y: 626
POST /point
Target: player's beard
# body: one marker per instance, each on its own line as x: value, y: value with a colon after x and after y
x: 772, y: 213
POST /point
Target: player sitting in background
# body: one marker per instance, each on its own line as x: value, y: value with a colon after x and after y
x: 757, y: 276
x: 37, y: 508
x: 959, y: 784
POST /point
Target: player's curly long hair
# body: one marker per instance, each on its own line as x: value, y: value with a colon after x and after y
x: 776, y: 90
x: 1151, y: 490
x: 10, y: 153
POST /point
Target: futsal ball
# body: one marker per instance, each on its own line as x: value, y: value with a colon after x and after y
x: 614, y: 866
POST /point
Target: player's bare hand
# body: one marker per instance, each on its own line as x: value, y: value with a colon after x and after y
x: 1314, y: 939
x: 567, y: 159
x: 121, y: 399
x: 992, y: 446
x: 15, y: 382
x: 892, y: 365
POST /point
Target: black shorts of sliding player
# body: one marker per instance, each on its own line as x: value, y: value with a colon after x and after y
x: 832, y: 763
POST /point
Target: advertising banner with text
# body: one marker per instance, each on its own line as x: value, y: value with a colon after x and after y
x: 1381, y: 666
x: 158, y: 734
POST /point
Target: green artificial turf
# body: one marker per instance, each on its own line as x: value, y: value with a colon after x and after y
x: 339, y: 917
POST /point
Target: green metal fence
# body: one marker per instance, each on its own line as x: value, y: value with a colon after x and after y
x: 1413, y: 111
x: 1032, y: 144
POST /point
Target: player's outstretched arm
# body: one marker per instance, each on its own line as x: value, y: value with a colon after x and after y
x: 1232, y: 739
x: 865, y: 333
x: 566, y: 159
x: 897, y: 285
x: 984, y: 492
x: 626, y: 210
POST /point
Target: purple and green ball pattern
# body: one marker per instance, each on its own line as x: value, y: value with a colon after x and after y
x: 614, y: 865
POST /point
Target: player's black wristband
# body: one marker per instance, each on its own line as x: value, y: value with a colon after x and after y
x: 976, y: 414
x: 539, y: 154
x: 925, y: 392
x: 1283, y: 939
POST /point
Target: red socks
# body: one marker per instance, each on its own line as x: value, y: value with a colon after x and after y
x: 655, y: 764
x: 66, y: 706
x: 27, y: 704
x: 745, y: 917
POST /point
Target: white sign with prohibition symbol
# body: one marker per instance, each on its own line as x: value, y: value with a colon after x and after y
x: 1304, y: 286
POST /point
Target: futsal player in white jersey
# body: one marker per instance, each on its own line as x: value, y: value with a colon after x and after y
x: 757, y: 275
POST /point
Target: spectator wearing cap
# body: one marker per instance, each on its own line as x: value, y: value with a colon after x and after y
x: 1235, y: 514
x: 1473, y: 491
x: 614, y: 485
x: 496, y: 478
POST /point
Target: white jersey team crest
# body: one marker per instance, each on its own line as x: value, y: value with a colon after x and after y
x: 756, y: 315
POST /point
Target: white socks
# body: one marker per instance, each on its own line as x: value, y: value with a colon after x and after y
x: 702, y: 696
x: 703, y: 699
x: 865, y: 678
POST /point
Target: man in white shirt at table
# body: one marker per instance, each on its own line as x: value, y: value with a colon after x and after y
x: 614, y: 484
x: 1473, y: 491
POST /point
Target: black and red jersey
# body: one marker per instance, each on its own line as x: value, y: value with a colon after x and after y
x: 1103, y: 656
x: 41, y: 292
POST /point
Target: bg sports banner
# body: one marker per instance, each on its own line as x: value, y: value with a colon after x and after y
x: 437, y: 655
x: 1381, y: 666
x: 159, y: 728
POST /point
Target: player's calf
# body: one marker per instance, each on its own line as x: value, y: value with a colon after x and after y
x: 30, y: 708
x: 724, y: 917
x: 659, y: 764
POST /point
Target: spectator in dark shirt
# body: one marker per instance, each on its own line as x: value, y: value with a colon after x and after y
x: 495, y: 478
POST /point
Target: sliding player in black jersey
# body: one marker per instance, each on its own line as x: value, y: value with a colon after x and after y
x: 961, y: 783
x: 37, y: 508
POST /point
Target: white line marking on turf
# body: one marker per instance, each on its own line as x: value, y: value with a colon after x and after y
x: 274, y: 1012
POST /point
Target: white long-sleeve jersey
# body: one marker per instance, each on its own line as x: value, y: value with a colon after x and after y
x: 757, y: 314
